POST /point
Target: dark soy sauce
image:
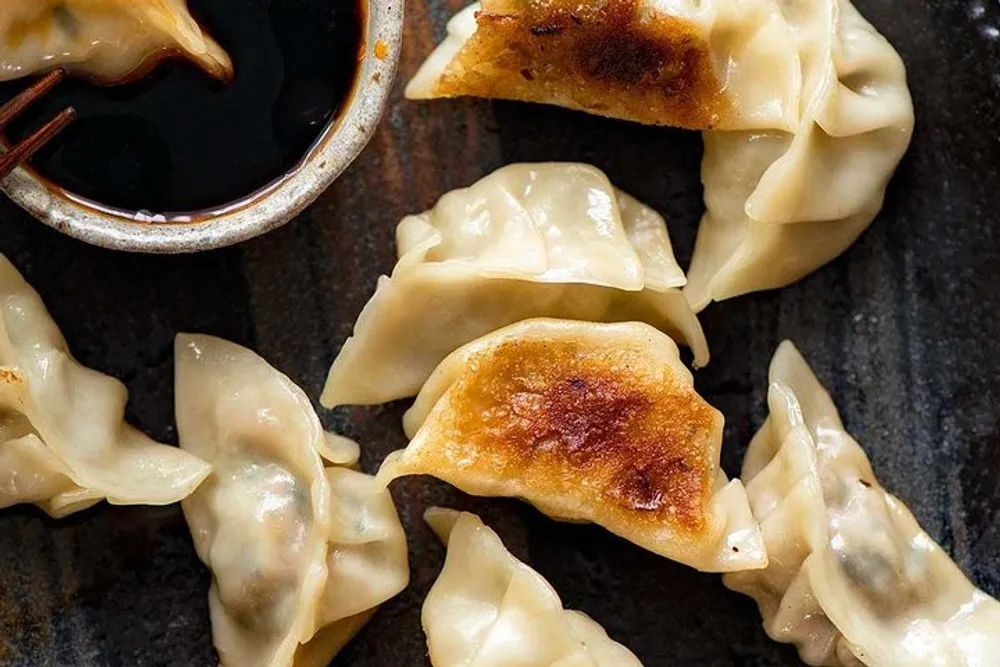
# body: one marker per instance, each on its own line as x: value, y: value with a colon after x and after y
x: 177, y: 141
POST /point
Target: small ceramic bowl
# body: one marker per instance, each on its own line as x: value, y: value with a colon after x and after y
x: 267, y: 209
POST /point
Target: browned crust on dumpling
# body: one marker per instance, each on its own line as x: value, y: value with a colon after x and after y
x: 605, y: 58
x: 10, y: 376
x: 573, y: 420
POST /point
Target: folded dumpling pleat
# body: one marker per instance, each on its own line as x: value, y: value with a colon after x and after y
x: 488, y: 609
x: 367, y: 563
x: 588, y: 422
x: 64, y: 444
x: 301, y: 555
x: 853, y: 579
x: 781, y: 204
x: 530, y: 240
x: 367, y: 556
x: 106, y: 40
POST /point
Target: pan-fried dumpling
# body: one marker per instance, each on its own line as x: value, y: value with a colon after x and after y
x: 780, y: 204
x: 686, y: 63
x: 300, y: 556
x: 64, y: 444
x: 488, y: 609
x: 853, y: 579
x: 588, y: 422
x: 105, y: 40
x: 530, y: 240
x: 805, y: 107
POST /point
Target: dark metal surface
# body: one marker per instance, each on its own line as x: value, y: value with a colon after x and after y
x: 903, y: 328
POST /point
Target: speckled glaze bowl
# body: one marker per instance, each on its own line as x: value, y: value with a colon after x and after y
x: 267, y: 209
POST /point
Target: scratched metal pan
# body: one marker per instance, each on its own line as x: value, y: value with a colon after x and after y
x: 904, y: 328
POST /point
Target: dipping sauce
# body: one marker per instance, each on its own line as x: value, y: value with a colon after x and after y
x: 177, y: 141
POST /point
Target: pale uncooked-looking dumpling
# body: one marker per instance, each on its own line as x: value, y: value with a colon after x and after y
x: 64, y: 444
x: 107, y: 40
x: 367, y: 562
x: 805, y: 107
x: 588, y: 422
x: 699, y: 64
x: 300, y: 555
x: 853, y: 579
x: 488, y: 609
x: 530, y: 240
x: 782, y: 204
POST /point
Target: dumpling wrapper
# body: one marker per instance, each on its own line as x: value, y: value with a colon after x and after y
x: 588, y: 422
x: 685, y: 63
x: 529, y: 240
x: 261, y: 521
x: 853, y: 579
x: 805, y: 107
x: 104, y: 40
x: 340, y: 451
x: 782, y: 204
x: 64, y: 444
x: 367, y: 562
x: 488, y: 609
x: 300, y: 555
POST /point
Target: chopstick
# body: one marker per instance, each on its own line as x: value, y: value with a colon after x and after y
x: 43, y: 135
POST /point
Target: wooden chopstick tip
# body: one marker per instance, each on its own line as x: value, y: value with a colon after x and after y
x: 21, y: 152
x: 29, y: 96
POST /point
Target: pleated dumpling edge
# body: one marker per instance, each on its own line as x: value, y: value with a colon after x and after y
x: 768, y: 224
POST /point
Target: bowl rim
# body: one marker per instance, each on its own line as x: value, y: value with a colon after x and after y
x: 340, y: 143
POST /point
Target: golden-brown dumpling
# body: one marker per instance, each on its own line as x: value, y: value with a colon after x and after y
x: 529, y: 240
x: 853, y: 579
x: 488, y: 609
x: 588, y: 422
x: 106, y: 40
x: 699, y: 64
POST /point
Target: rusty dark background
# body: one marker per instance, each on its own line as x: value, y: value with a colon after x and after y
x: 903, y: 329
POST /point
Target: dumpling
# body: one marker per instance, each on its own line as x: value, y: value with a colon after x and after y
x: 782, y: 204
x: 853, y: 580
x: 687, y: 63
x: 64, y: 444
x: 261, y: 521
x: 367, y: 562
x: 530, y: 240
x: 300, y: 555
x: 488, y: 609
x: 105, y: 40
x: 791, y: 94
x: 588, y: 422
